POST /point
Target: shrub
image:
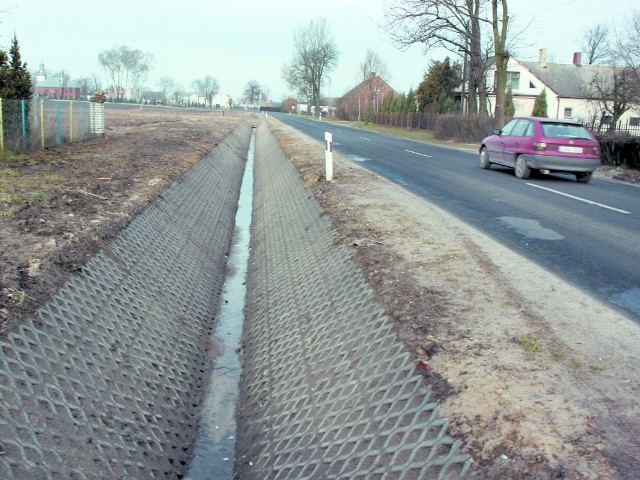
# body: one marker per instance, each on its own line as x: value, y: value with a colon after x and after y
x: 619, y: 149
x: 462, y: 128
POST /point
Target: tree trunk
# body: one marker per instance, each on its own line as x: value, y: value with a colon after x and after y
x: 477, y: 100
x: 501, y: 57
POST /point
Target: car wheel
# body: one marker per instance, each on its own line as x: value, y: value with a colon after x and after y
x: 522, y: 171
x: 484, y: 158
x: 583, y: 177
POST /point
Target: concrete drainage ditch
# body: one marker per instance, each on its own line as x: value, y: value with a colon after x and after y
x: 108, y: 379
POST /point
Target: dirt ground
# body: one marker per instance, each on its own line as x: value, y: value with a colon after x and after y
x: 538, y: 379
x: 59, y: 206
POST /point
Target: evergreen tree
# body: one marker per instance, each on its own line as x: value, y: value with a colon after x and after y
x: 438, y: 86
x: 509, y: 106
x: 540, y: 105
x: 15, y: 85
x: 387, y: 103
x: 401, y: 103
x: 410, y: 105
x: 5, y: 77
x: 20, y: 78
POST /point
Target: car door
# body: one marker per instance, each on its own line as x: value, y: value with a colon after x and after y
x: 496, y: 148
x: 513, y: 143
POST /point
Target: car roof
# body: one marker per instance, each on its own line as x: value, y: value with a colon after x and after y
x: 551, y: 120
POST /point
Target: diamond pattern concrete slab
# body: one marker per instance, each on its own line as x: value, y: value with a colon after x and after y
x: 106, y: 380
x: 328, y: 390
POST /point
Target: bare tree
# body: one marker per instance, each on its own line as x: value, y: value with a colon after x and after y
x: 138, y: 65
x: 500, y: 24
x: 628, y: 47
x: 125, y: 68
x: 176, y: 92
x: 315, y: 54
x: 451, y: 24
x: 166, y: 84
x: 595, y: 43
x: 615, y: 89
x: 110, y: 61
x: 252, y: 92
x: 372, y: 70
x: 206, y: 87
x: 85, y: 84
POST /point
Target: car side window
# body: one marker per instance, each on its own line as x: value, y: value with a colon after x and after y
x: 506, y: 130
x: 520, y: 128
x: 529, y: 130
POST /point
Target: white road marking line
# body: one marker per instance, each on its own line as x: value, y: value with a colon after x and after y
x: 365, y: 138
x: 579, y: 199
x: 416, y: 153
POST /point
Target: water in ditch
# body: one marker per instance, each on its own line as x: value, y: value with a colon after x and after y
x: 214, y: 452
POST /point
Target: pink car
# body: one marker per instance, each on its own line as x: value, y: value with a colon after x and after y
x: 543, y: 144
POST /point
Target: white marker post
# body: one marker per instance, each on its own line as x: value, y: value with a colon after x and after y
x: 328, y: 155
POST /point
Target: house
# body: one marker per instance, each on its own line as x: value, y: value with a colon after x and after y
x: 219, y: 100
x: 55, y: 86
x: 571, y: 89
x: 364, y: 99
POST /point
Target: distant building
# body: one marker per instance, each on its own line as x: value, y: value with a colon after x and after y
x: 219, y: 100
x: 56, y: 86
x: 364, y: 99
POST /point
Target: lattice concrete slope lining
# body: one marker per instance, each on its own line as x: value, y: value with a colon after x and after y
x: 106, y: 380
x: 328, y: 391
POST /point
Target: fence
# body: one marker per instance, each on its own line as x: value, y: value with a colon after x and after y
x: 415, y: 120
x: 28, y: 125
x: 630, y: 127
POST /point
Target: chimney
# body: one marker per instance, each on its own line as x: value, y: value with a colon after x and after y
x: 544, y: 55
x: 577, y: 59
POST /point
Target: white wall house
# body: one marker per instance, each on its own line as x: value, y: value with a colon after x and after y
x: 220, y: 100
x: 569, y: 87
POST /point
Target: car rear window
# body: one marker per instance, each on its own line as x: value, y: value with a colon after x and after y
x: 565, y: 130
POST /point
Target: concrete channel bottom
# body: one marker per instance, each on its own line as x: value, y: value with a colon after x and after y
x: 107, y: 379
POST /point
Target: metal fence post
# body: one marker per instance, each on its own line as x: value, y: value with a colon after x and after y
x: 25, y: 138
x: 58, y: 126
x: 71, y: 121
x: 42, y: 123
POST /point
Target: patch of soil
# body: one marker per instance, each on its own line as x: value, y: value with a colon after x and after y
x: 538, y: 379
x: 619, y: 173
x: 60, y: 205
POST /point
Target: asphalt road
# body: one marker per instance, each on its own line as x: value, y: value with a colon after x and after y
x: 588, y: 234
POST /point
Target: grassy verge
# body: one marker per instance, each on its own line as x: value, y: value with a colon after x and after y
x: 425, y: 136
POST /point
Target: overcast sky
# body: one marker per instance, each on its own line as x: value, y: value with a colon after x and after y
x: 243, y: 40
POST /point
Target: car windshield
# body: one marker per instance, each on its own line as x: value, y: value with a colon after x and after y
x: 565, y: 130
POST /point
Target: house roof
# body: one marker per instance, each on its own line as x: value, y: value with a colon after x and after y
x: 569, y: 80
x: 377, y: 80
x: 55, y: 82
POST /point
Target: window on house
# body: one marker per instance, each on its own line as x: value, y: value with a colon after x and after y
x: 634, y: 122
x: 532, y: 85
x: 607, y: 119
x: 513, y: 80
x: 568, y: 112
